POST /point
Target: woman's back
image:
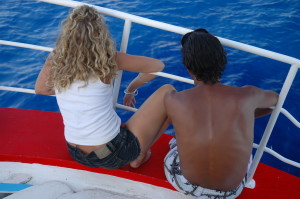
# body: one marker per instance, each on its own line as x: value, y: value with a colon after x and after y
x: 88, y: 113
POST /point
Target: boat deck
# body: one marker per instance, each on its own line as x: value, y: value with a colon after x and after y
x: 31, y: 136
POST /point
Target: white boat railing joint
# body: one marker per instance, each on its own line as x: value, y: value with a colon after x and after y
x: 129, y: 19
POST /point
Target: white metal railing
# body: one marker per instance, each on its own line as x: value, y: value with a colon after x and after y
x: 295, y: 64
x: 278, y: 156
x: 179, y: 30
x: 267, y: 133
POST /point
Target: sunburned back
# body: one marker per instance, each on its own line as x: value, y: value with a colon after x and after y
x: 214, y: 131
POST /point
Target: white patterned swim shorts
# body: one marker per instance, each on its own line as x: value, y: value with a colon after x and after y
x: 180, y: 183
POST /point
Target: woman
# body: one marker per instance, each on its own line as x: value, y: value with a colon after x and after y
x: 80, y: 71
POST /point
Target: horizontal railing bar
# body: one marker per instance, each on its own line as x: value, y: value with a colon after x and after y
x: 127, y: 108
x: 21, y: 90
x: 123, y: 15
x: 290, y: 117
x: 180, y: 30
x: 260, y: 51
x: 23, y: 45
x: 278, y: 156
x: 31, y: 91
x: 175, y: 77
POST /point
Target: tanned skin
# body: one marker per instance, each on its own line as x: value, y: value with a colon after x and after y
x: 214, y: 127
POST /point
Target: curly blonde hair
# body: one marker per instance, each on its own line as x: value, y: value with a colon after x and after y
x: 83, y: 50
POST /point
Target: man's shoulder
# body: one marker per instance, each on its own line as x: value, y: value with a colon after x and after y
x: 174, y: 99
x: 179, y: 96
x: 243, y: 93
x: 171, y: 97
x: 252, y: 90
x: 247, y: 89
x: 170, y: 94
x: 250, y: 93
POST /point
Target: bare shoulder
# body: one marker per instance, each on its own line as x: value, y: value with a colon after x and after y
x: 262, y: 98
x: 255, y: 91
x: 170, y: 97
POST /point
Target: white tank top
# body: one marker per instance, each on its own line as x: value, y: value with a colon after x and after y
x: 88, y: 113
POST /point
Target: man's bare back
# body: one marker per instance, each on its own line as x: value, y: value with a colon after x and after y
x: 214, y: 132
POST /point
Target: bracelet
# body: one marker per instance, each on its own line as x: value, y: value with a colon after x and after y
x: 134, y: 93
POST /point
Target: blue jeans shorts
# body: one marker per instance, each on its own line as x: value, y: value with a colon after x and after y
x: 120, y: 151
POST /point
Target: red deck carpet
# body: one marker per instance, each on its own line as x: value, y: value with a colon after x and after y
x: 37, y: 137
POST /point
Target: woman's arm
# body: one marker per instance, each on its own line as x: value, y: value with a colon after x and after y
x: 139, y: 64
x: 40, y: 85
x: 142, y: 65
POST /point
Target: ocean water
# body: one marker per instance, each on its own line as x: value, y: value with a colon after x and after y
x: 270, y: 24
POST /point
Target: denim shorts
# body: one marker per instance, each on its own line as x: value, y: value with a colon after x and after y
x: 120, y: 151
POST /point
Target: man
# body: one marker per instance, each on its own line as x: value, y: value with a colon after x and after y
x: 213, y: 123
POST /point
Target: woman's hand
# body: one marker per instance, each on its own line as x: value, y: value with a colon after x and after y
x: 129, y: 100
x: 142, y: 65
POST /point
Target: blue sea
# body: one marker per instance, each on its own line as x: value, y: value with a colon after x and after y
x: 270, y: 24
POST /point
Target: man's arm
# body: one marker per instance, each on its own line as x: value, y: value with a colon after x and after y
x: 264, y: 100
x: 260, y: 112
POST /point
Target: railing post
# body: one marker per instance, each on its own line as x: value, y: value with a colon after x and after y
x: 124, y: 44
x: 283, y: 93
